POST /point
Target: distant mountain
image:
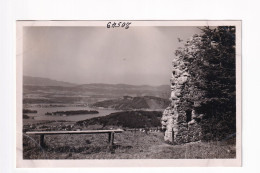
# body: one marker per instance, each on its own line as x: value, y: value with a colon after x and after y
x: 38, y: 81
x: 121, y: 90
x: 128, y: 103
x: 44, y: 90
x: 121, y: 86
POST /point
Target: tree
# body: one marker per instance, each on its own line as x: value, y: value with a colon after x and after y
x: 211, y: 89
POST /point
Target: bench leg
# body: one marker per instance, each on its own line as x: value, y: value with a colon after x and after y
x: 42, y: 141
x: 111, y: 138
x: 111, y: 142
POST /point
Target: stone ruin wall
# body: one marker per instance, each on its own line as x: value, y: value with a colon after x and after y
x: 180, y: 126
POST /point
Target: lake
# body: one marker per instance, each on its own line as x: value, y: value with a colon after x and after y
x: 40, y: 115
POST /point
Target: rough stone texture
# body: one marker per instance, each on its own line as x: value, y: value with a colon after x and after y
x: 178, y: 127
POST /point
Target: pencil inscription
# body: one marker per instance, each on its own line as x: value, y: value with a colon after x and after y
x: 125, y: 25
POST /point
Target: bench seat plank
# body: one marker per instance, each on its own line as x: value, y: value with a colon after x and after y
x: 73, y: 132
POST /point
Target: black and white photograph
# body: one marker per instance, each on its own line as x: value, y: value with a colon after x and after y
x: 129, y: 90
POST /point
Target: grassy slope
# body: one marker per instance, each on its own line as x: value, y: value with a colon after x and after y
x: 128, y: 145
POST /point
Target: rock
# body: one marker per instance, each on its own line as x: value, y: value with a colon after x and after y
x: 182, y: 80
x: 194, y: 114
x: 163, y: 123
x: 173, y: 95
x: 197, y: 104
x: 191, y: 122
x: 178, y: 94
x: 200, y: 116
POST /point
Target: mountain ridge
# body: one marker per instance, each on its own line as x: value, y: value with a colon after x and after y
x: 95, y: 90
x: 41, y: 81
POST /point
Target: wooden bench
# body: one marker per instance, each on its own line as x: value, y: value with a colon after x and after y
x: 42, y: 133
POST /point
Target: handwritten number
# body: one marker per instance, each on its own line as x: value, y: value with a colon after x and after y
x: 125, y: 25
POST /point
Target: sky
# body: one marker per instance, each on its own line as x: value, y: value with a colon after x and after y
x: 140, y: 55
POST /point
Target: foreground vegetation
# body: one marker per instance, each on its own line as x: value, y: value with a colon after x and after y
x: 136, y: 142
x: 128, y: 145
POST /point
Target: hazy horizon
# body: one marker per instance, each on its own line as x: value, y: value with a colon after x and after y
x: 100, y: 83
x: 85, y: 55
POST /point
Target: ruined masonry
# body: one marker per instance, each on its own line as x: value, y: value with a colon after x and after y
x: 180, y: 126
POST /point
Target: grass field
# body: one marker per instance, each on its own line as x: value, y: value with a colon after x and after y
x: 128, y: 145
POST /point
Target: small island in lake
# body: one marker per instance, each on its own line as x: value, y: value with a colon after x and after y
x: 76, y: 112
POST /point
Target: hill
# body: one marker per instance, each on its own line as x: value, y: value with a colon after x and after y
x: 38, y: 81
x: 127, y: 103
x: 130, y: 119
